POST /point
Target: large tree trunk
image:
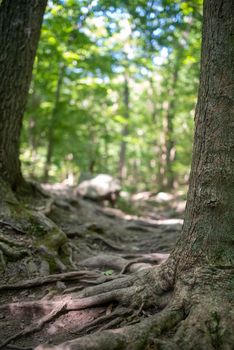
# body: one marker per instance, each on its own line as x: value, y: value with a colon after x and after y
x: 20, y: 23
x: 207, y: 234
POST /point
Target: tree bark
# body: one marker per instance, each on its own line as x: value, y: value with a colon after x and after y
x: 207, y: 235
x: 20, y: 23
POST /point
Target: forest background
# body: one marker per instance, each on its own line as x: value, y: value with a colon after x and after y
x: 113, y: 91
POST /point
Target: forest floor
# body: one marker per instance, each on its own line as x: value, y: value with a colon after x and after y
x: 104, y: 243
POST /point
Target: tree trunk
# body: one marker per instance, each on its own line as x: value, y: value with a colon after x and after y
x: 207, y: 234
x: 125, y: 131
x: 20, y: 23
x: 53, y: 122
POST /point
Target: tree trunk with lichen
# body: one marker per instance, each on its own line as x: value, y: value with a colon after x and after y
x: 192, y: 292
x: 20, y: 23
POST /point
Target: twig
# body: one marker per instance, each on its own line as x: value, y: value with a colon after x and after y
x: 116, y: 321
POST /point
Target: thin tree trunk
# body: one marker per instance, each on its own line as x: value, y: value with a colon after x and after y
x: 153, y: 101
x: 32, y: 139
x: 20, y: 24
x: 106, y: 150
x: 52, y: 124
x: 125, y: 130
x: 168, y: 147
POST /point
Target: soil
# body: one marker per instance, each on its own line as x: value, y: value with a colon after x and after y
x: 103, y: 243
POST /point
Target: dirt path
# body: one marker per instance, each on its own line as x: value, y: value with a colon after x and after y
x: 104, y: 243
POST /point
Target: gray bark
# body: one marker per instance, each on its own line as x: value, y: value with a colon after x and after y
x: 207, y: 235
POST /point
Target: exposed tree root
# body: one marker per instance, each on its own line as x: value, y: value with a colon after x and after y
x: 17, y: 347
x: 146, y: 258
x: 105, y: 261
x: 12, y: 226
x: 12, y: 253
x: 197, y: 316
x: 39, y: 281
x: 131, y: 291
x: 117, y: 262
x: 117, y: 314
x: 130, y: 337
x: 73, y: 289
x: 37, y: 325
x: 12, y: 242
x: 113, y: 323
x: 189, y: 314
x: 2, y: 260
x: 106, y: 241
x: 99, y: 280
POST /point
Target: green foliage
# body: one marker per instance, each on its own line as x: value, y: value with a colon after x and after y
x: 89, y: 46
x: 108, y: 273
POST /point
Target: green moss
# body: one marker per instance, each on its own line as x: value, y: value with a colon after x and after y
x: 53, y: 239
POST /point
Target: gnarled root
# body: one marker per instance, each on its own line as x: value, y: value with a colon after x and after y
x: 193, y: 312
x: 132, y: 291
x: 198, y: 316
x: 130, y: 337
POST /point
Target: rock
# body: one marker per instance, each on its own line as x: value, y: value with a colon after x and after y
x: 100, y: 188
x: 140, y: 196
x: 163, y: 197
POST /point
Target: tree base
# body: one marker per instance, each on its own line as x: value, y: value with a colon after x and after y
x: 198, y: 315
x: 192, y: 313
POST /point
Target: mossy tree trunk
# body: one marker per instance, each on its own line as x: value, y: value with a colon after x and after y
x: 20, y: 24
